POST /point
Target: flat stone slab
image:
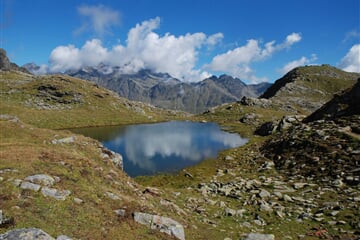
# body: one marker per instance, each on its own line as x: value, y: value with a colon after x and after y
x: 26, y: 234
x: 55, y: 193
x: 259, y: 236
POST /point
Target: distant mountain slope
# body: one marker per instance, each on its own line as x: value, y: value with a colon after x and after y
x: 162, y: 90
x: 308, y: 88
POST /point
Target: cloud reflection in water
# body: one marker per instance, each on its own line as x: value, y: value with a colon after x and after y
x: 170, y: 146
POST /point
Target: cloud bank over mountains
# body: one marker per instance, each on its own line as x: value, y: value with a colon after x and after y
x: 176, y: 55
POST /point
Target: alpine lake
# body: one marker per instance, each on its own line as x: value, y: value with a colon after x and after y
x: 167, y: 147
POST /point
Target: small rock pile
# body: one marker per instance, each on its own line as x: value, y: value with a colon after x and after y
x: 43, y: 183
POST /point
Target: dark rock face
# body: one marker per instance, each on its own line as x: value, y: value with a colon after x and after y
x: 6, y: 65
x: 345, y: 104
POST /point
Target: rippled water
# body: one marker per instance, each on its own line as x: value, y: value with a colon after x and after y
x: 148, y: 149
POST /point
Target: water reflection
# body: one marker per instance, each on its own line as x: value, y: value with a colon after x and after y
x: 166, y: 147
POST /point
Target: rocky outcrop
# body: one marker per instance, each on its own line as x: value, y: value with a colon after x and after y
x: 308, y: 88
x: 259, y: 102
x: 6, y: 65
x: 43, y: 183
x: 114, y: 157
x: 286, y: 122
x: 163, y: 224
x: 326, y: 151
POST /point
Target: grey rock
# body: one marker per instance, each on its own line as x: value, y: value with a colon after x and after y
x: 264, y: 194
x: 78, y: 200
x: 116, y: 158
x: 55, y: 193
x: 67, y: 140
x: 228, y: 158
x: 17, y: 182
x: 299, y: 185
x: 278, y: 194
x: 259, y: 236
x: 30, y: 186
x: 265, y: 207
x: 63, y: 237
x: 26, y: 234
x: 42, y: 179
x: 112, y: 196
x: 266, y: 129
x: 120, y: 212
x: 230, y: 212
x: 287, y: 198
x: 163, y: 224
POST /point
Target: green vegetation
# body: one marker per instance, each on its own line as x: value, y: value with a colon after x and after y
x: 64, y: 102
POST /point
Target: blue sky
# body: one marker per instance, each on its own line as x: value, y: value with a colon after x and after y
x: 255, y: 40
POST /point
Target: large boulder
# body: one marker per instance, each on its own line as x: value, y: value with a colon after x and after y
x: 163, y: 224
x: 26, y: 234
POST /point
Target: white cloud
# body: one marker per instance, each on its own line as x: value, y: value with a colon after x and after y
x: 63, y: 58
x: 291, y: 39
x: 237, y: 61
x: 351, y: 61
x: 296, y: 63
x: 215, y: 39
x: 176, y: 55
x: 101, y: 19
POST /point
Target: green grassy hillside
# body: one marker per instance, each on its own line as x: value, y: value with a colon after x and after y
x: 57, y: 101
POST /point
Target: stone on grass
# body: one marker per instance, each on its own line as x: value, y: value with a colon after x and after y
x: 66, y: 140
x: 120, y: 212
x: 63, y: 237
x: 26, y: 234
x: 30, y: 186
x: 42, y: 179
x: 55, y: 193
x: 259, y: 236
x: 163, y: 224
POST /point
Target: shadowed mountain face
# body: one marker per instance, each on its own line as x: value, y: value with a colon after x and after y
x: 162, y: 90
x: 308, y: 88
x: 345, y: 104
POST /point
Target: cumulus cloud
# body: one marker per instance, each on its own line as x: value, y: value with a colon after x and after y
x: 351, y: 61
x: 99, y: 18
x: 144, y: 48
x: 237, y: 61
x: 296, y: 63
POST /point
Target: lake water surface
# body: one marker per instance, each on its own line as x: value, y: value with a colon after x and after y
x: 148, y: 149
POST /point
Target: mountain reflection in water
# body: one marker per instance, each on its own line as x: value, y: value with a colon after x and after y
x: 148, y: 149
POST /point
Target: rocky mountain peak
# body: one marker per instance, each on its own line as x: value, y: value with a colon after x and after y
x: 6, y: 65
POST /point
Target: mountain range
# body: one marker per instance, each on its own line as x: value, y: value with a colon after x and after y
x: 162, y: 90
